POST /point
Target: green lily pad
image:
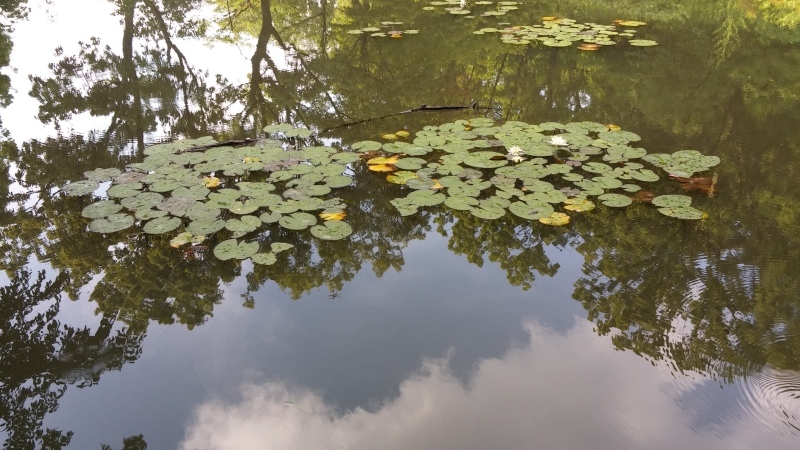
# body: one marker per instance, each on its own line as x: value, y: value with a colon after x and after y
x: 186, y: 238
x: 672, y: 201
x: 461, y: 203
x: 578, y: 205
x: 404, y: 206
x: 129, y: 177
x: 278, y: 247
x: 607, y: 182
x: 337, y: 181
x: 145, y: 200
x: 270, y: 217
x: 265, y: 259
x: 642, y: 42
x: 205, y: 227
x: 177, y: 206
x: 149, y: 214
x: 103, y: 208
x: 484, y: 160
x: 332, y: 230
x: 366, y: 146
x: 80, y: 188
x: 631, y: 187
x: 425, y: 198
x: 487, y: 213
x: 243, y: 225
x: 400, y: 177
x: 242, y: 208
x: 232, y: 249
x: 162, y: 225
x: 102, y: 174
x: 297, y: 221
x: 682, y: 212
x: 201, y: 211
x: 111, y: 224
x: 197, y: 192
x: 125, y: 190
x: 531, y: 210
x: 645, y: 175
x: 410, y: 163
x: 615, y: 200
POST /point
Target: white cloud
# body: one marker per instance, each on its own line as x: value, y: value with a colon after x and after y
x: 558, y: 391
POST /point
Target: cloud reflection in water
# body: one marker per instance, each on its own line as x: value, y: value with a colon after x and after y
x: 536, y: 396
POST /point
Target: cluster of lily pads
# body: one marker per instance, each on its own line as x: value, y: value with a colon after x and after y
x: 384, y: 30
x: 459, y: 8
x: 198, y: 189
x: 527, y: 169
x: 555, y: 32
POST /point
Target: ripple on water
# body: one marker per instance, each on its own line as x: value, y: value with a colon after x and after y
x: 773, y: 397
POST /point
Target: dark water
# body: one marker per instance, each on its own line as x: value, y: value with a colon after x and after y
x: 624, y: 329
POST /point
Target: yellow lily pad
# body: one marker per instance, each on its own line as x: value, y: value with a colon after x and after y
x: 555, y: 219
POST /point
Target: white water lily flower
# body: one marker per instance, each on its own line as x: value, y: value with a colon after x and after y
x: 515, y: 150
x: 558, y: 140
x: 517, y: 158
x: 463, y: 3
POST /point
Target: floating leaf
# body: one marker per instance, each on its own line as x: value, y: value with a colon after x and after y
x: 185, y: 238
x: 278, y: 247
x: 145, y: 200
x: 124, y: 190
x: 672, y: 201
x: 485, y: 160
x: 630, y: 23
x: 243, y: 225
x: 532, y: 210
x: 177, y: 206
x: 102, y: 174
x: 330, y: 231
x: 149, y: 214
x: 211, y: 182
x: 461, y: 203
x: 103, y: 208
x: 401, y: 177
x: 578, y: 205
x: 425, y: 198
x: 162, y: 225
x: 682, y: 212
x: 555, y: 219
x: 366, y: 146
x: 642, y: 42
x: 381, y: 167
x: 297, y: 221
x: 111, y: 224
x: 615, y: 200
x: 333, y: 216
x: 270, y: 217
x: 487, y: 213
x: 80, y: 188
x: 232, y: 249
x: 265, y: 259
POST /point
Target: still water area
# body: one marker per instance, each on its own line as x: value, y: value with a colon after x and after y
x: 446, y: 324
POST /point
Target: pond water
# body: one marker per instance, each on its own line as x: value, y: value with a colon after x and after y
x: 442, y: 329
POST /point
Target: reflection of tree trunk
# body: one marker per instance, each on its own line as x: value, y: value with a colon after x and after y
x: 171, y: 47
x: 256, y: 97
x: 497, y: 78
x: 323, y: 41
x: 128, y: 69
